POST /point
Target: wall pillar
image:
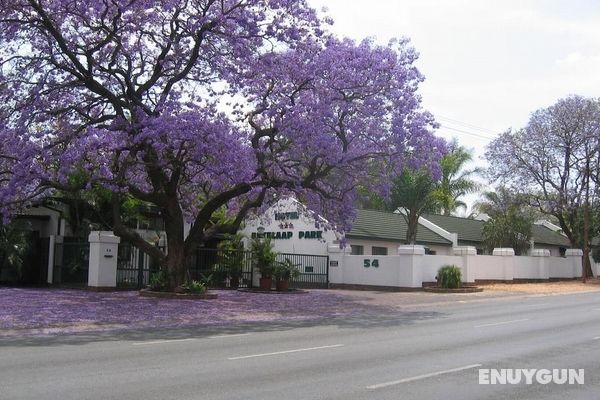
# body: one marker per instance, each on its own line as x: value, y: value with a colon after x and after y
x: 104, y: 247
x: 57, y: 259
x: 508, y: 263
x: 336, y: 262
x: 410, y: 269
x: 575, y: 256
x: 541, y: 255
x: 469, y: 262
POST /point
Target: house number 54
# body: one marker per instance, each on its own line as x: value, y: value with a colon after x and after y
x: 371, y: 263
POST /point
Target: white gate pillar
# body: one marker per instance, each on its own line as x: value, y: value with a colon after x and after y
x: 543, y: 262
x: 469, y: 255
x: 575, y: 258
x: 410, y: 268
x: 104, y: 247
x: 508, y: 262
x: 336, y: 262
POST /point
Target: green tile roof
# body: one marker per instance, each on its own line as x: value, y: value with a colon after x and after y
x: 380, y: 225
x: 471, y: 230
x: 544, y: 235
x: 467, y: 229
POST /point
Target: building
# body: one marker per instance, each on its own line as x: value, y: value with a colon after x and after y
x: 380, y: 233
x: 469, y: 232
x: 294, y: 230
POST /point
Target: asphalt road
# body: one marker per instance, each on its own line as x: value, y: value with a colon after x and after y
x: 431, y: 352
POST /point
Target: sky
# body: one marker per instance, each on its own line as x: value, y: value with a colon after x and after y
x: 487, y: 64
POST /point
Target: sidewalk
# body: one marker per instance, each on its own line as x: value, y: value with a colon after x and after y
x: 408, y: 300
x: 35, y: 312
x: 40, y: 312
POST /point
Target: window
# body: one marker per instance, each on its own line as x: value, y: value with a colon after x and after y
x: 379, y: 251
x: 562, y: 251
x: 357, y: 250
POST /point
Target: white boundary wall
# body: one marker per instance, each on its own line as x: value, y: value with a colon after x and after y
x: 411, y: 267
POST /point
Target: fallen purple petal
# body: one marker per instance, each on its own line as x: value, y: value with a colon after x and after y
x: 60, y: 311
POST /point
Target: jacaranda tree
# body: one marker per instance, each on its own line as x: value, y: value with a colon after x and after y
x: 201, y: 107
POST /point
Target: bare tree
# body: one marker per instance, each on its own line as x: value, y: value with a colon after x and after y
x: 551, y: 160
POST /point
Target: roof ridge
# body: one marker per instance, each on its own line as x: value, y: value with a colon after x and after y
x: 454, y: 216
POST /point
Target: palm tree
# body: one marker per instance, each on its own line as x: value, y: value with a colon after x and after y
x: 456, y: 181
x: 413, y: 192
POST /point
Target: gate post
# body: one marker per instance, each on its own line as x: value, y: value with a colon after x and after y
x: 508, y: 262
x: 574, y: 256
x: 51, y: 248
x: 410, y: 268
x: 468, y: 254
x: 335, y: 264
x: 104, y: 247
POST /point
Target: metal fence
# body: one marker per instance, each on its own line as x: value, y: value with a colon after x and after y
x: 71, y: 262
x: 134, y: 267
x: 221, y: 268
x: 314, y: 270
x: 230, y: 268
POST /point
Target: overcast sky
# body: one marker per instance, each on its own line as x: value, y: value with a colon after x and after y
x: 488, y: 64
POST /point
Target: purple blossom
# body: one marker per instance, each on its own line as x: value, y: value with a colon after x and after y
x: 201, y: 107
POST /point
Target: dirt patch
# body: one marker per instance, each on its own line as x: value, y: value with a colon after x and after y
x: 571, y: 286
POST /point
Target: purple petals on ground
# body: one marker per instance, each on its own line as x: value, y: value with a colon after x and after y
x: 58, y: 311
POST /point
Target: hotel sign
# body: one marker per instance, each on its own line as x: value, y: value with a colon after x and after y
x: 288, y: 235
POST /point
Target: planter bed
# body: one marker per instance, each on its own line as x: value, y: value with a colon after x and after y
x: 464, y: 289
x: 173, y: 295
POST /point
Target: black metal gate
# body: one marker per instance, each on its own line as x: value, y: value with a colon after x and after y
x: 314, y: 270
x: 71, y: 261
x: 222, y: 268
x: 134, y: 267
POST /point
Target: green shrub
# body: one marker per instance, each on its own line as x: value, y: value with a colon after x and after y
x: 286, y: 269
x: 159, y: 281
x: 596, y: 254
x: 195, y: 287
x: 264, y: 256
x: 449, y: 277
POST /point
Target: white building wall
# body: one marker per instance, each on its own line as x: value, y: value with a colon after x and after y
x: 411, y: 270
x: 388, y: 272
x: 489, y: 268
x: 296, y: 238
x: 48, y: 227
x: 393, y: 246
x: 527, y: 268
x: 554, y: 250
x: 432, y: 264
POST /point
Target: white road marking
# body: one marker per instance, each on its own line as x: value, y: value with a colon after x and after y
x: 228, y: 336
x: 424, y: 376
x: 501, y: 323
x: 163, y: 341
x: 597, y: 337
x: 285, y: 352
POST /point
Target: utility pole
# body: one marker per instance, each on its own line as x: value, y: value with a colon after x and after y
x: 586, y: 222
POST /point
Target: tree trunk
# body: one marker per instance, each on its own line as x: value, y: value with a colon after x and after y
x: 176, y: 256
x: 412, y: 221
x: 176, y: 265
